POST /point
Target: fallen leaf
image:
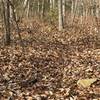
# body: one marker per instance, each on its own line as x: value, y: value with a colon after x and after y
x: 86, y: 82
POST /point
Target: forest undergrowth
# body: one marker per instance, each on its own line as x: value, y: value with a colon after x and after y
x: 51, y: 64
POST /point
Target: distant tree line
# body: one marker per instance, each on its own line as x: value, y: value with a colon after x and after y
x: 46, y: 10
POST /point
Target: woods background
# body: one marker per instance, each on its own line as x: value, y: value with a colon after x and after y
x: 60, y: 13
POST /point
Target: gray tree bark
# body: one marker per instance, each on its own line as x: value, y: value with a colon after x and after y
x: 60, y: 14
x: 6, y: 16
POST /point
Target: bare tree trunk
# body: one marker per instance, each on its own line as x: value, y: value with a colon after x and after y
x: 51, y: 4
x: 97, y: 8
x: 60, y: 15
x: 91, y: 12
x: 25, y: 4
x: 39, y: 8
x: 74, y: 10
x: 28, y: 9
x: 42, y: 9
x: 63, y: 7
x: 17, y: 26
x: 6, y: 14
x: 72, y: 7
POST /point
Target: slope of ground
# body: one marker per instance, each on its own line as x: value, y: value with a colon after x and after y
x: 50, y: 66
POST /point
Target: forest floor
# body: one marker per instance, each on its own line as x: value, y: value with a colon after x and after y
x: 50, y: 64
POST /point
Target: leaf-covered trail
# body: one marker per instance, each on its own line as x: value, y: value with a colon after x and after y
x: 49, y: 69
